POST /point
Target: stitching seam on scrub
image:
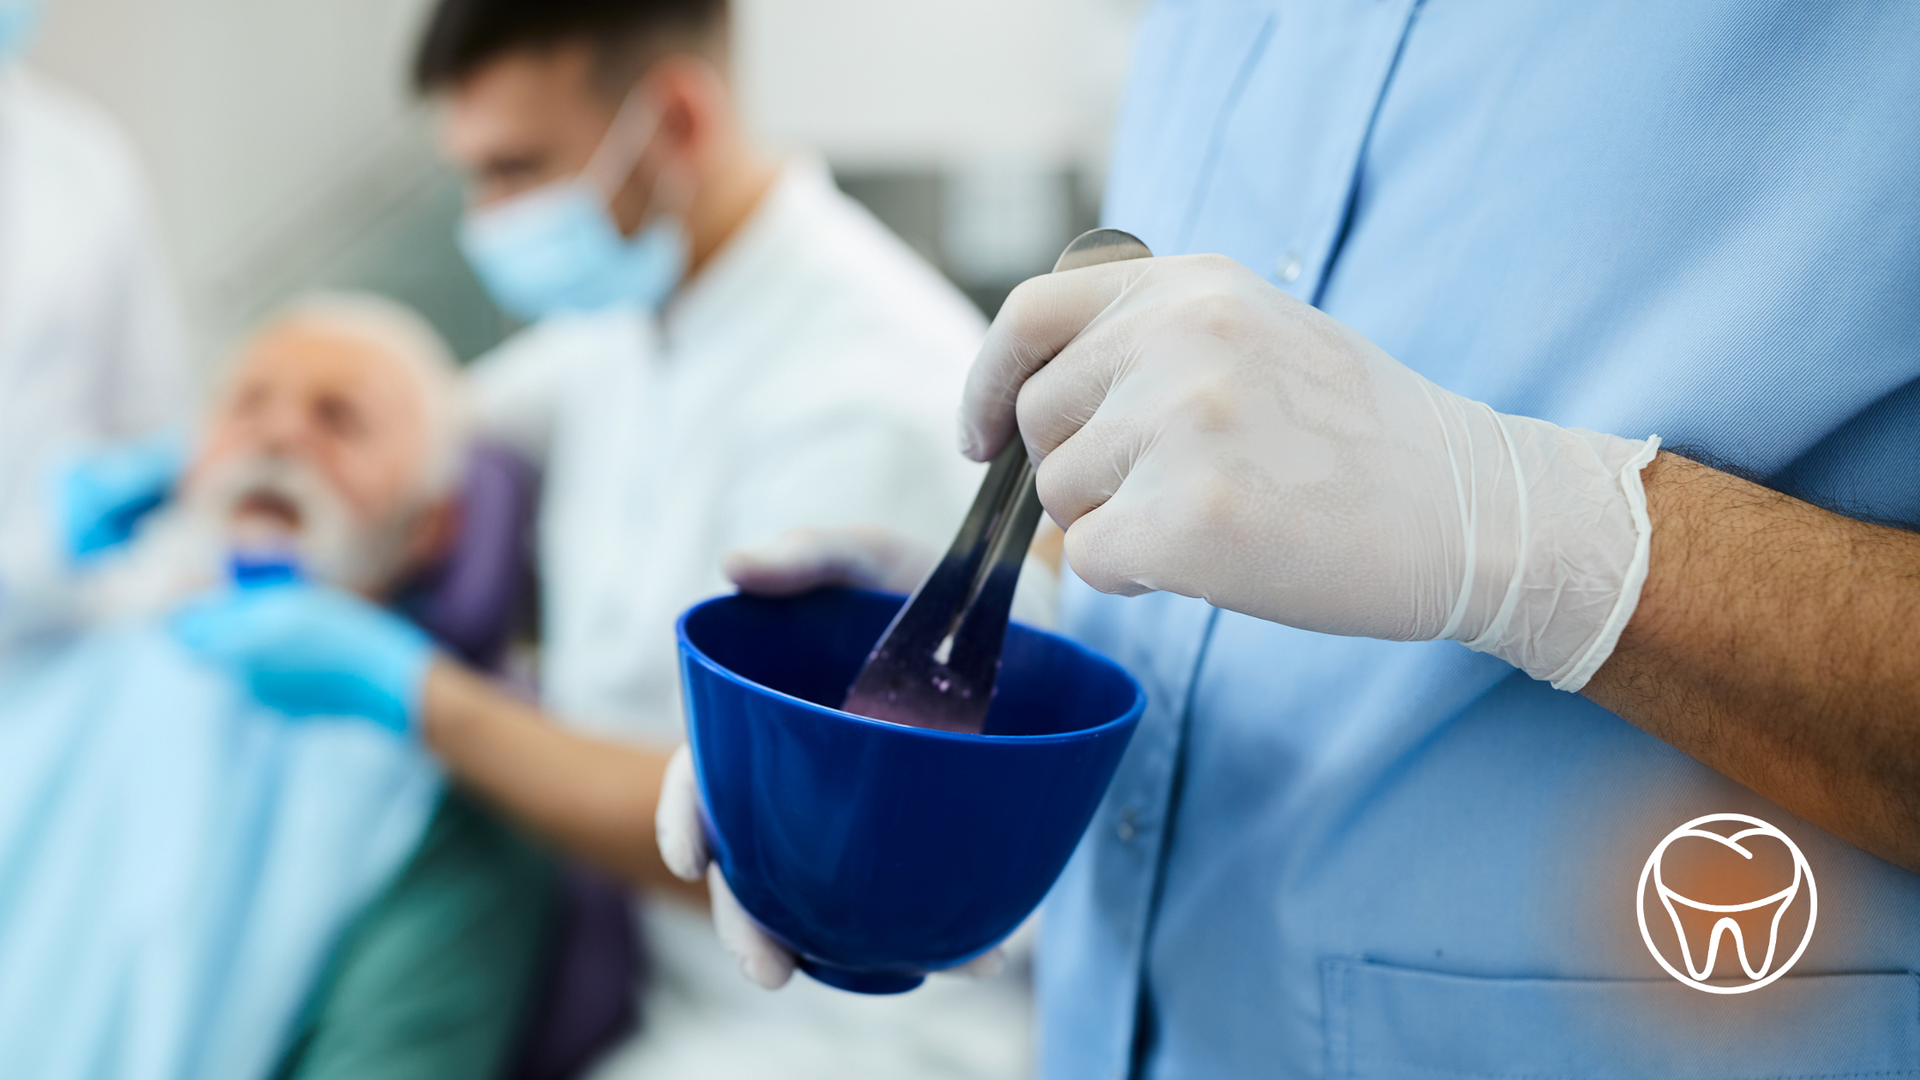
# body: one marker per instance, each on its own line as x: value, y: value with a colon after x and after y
x: 1217, y: 140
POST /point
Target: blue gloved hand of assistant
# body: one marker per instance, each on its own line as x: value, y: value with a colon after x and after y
x: 19, y: 19
x: 310, y: 650
x: 102, y: 495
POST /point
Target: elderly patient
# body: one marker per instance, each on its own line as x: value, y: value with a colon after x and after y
x: 195, y: 886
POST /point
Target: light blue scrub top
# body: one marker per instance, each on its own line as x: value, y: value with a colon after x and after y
x: 1339, y: 857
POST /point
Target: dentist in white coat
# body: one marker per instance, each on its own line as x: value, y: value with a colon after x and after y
x: 91, y: 349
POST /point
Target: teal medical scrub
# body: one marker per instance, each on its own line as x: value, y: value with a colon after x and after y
x: 1339, y: 857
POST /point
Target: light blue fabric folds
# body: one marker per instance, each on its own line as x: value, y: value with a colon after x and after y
x: 175, y: 861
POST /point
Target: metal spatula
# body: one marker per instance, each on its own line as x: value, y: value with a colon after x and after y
x: 936, y: 664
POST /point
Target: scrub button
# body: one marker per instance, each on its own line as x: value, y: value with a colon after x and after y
x: 1125, y: 830
x: 1290, y: 267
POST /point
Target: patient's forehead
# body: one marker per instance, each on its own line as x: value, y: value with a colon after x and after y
x: 310, y: 357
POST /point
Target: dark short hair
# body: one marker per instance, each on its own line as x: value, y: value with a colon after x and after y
x: 466, y: 35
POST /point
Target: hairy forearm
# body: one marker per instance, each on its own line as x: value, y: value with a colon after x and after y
x: 1780, y: 644
x: 593, y: 798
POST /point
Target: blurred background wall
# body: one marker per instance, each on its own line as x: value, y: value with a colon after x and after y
x: 286, y: 153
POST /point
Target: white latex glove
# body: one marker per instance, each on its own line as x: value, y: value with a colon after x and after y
x: 683, y: 847
x: 1201, y: 432
x: 857, y: 556
x: 870, y: 557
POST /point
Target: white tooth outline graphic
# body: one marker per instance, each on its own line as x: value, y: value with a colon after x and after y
x: 1761, y: 975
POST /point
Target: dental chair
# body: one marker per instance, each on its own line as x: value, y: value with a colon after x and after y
x: 472, y: 603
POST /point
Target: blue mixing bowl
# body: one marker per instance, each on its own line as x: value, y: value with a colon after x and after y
x: 876, y: 852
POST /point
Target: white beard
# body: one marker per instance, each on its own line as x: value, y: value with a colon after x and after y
x: 189, y: 547
x: 173, y: 556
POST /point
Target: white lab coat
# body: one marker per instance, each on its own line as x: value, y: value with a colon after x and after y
x: 808, y: 376
x: 91, y: 345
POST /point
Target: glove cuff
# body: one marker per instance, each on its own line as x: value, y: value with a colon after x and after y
x: 1573, y: 675
x: 398, y: 678
x: 1567, y: 533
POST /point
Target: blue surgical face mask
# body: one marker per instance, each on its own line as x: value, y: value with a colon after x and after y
x: 18, y: 20
x: 557, y: 248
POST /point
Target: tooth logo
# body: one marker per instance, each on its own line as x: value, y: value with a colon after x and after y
x: 1726, y: 891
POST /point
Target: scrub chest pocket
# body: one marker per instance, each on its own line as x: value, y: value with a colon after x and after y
x: 1393, y: 1023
